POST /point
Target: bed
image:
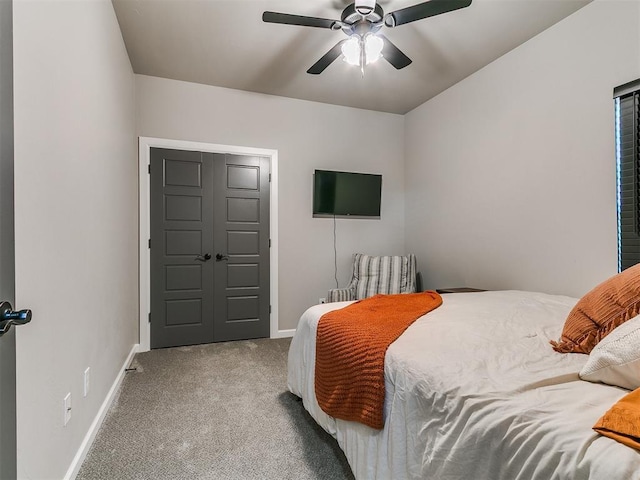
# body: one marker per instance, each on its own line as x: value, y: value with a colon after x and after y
x: 474, y: 391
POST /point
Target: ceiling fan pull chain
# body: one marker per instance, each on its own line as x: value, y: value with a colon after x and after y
x: 363, y: 56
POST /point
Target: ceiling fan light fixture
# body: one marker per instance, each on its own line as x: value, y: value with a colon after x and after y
x: 351, y: 50
x: 373, y: 46
x: 362, y: 19
x: 365, y: 7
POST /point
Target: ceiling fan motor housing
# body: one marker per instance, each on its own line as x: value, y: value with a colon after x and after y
x: 365, y: 7
x: 350, y: 15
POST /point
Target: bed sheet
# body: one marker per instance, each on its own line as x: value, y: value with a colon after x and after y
x: 474, y: 390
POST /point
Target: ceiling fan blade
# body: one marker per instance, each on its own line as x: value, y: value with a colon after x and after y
x: 327, y: 59
x: 423, y: 10
x: 393, y: 54
x: 287, y: 19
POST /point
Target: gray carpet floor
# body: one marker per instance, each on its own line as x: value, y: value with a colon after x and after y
x: 217, y: 411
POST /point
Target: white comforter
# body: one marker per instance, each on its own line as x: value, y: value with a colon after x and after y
x: 474, y: 391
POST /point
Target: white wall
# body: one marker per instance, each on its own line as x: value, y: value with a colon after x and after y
x: 510, y: 174
x: 76, y: 221
x: 307, y: 136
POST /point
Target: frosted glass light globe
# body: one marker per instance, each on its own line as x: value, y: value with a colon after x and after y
x: 373, y: 46
x: 351, y: 51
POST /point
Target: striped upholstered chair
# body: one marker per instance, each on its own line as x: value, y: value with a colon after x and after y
x: 377, y: 274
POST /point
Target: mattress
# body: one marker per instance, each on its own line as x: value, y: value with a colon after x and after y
x: 474, y: 390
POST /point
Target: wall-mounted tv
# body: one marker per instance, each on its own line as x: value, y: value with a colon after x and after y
x: 346, y: 193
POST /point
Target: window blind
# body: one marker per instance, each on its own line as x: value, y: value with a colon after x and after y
x: 628, y: 159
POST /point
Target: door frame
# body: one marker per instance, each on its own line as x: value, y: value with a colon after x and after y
x: 145, y: 144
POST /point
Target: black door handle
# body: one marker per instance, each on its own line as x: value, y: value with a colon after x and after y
x: 8, y: 317
x: 220, y: 256
x: 204, y: 258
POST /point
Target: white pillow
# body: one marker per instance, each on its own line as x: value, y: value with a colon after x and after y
x: 616, y: 359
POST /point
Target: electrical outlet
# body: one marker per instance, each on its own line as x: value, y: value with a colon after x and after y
x: 67, y: 408
x: 322, y: 300
x: 86, y: 381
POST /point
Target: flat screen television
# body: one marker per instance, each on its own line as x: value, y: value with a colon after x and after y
x: 346, y: 194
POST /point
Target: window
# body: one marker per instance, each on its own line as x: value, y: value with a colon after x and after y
x: 627, y: 109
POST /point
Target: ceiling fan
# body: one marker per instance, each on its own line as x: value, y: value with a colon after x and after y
x: 361, y: 21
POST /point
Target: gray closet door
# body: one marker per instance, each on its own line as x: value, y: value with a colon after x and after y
x: 241, y: 239
x: 7, y: 256
x: 181, y: 243
x: 209, y: 247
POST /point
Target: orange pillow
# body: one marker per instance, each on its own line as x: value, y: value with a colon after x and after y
x: 610, y: 304
x: 622, y: 421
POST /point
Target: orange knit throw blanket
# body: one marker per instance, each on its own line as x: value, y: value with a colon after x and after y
x: 350, y: 347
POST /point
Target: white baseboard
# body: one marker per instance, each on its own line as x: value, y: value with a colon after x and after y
x: 284, y: 333
x: 97, y: 422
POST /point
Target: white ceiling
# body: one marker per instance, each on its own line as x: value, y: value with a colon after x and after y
x: 225, y: 43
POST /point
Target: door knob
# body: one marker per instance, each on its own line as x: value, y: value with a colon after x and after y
x: 8, y: 317
x: 220, y: 256
x: 204, y: 258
